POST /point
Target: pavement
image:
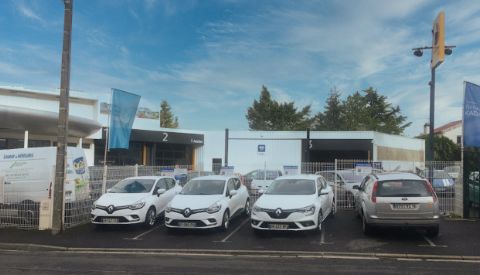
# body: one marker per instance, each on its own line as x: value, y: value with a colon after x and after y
x: 341, y: 236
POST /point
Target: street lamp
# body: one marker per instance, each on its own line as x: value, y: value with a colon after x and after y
x: 439, y: 50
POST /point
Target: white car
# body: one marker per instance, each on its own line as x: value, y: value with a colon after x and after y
x: 135, y: 200
x: 296, y: 202
x: 207, y: 202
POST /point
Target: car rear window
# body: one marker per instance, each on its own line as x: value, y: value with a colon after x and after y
x: 403, y: 188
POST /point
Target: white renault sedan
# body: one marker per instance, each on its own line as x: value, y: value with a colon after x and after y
x: 296, y: 202
x: 135, y: 200
x: 207, y: 202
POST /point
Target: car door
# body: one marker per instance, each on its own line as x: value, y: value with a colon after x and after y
x: 322, y: 195
x: 242, y: 193
x: 159, y: 200
x: 172, y: 190
x: 232, y: 200
x: 327, y: 189
x: 359, y: 195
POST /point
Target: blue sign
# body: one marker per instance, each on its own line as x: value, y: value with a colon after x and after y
x: 471, y: 116
x: 124, y: 109
x: 261, y: 148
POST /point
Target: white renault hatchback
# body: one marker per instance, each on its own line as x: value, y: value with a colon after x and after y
x: 296, y: 202
x: 135, y: 200
x: 207, y: 202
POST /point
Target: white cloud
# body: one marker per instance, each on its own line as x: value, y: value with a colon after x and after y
x: 28, y: 12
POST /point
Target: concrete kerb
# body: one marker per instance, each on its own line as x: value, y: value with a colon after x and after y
x: 233, y: 253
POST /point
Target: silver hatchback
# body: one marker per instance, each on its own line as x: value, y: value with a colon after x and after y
x: 397, y: 199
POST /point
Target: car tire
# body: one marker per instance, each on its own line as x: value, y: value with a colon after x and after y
x: 150, y: 217
x: 366, y: 227
x: 433, y: 231
x: 225, y: 221
x: 246, y: 209
x: 319, y: 220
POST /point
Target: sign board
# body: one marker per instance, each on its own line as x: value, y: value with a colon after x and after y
x: 363, y: 168
x: 261, y: 149
x: 227, y: 170
x: 167, y: 172
x: 438, y: 40
x: 290, y: 169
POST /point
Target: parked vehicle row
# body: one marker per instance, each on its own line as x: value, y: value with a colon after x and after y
x: 293, y: 202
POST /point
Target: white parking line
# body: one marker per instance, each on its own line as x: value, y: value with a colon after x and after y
x: 432, y: 244
x: 136, y: 238
x: 235, y: 231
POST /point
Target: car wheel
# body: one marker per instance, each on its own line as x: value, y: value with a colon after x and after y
x: 433, y: 231
x: 320, y: 220
x: 225, y: 221
x: 366, y: 227
x: 151, y: 217
x: 246, y: 210
x: 333, y: 209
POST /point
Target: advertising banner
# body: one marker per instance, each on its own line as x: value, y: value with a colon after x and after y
x: 290, y: 169
x: 124, y: 108
x: 471, y: 116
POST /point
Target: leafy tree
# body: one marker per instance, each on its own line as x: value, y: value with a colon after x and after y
x: 334, y: 116
x: 443, y: 148
x: 270, y: 115
x: 167, y: 119
x: 366, y: 111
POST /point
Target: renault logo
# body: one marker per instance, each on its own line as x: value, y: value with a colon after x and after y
x: 187, y: 212
x: 110, y: 209
x: 278, y: 212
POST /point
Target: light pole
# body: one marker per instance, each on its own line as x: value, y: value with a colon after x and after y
x: 439, y: 50
x: 60, y: 167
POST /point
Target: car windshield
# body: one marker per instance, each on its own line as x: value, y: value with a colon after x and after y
x: 133, y: 186
x: 329, y: 176
x: 204, y: 187
x: 291, y: 187
x: 403, y: 188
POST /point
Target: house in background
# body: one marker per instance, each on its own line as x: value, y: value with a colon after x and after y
x: 452, y: 131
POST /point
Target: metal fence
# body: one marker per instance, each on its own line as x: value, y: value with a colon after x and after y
x: 342, y: 175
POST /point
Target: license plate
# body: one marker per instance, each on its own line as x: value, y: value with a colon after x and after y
x: 404, y: 206
x: 186, y: 224
x: 279, y: 226
x: 110, y: 220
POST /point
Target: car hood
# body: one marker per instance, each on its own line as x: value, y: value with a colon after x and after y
x: 285, y: 201
x: 119, y: 199
x: 194, y: 201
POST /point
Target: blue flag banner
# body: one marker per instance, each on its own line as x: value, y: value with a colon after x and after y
x: 471, y: 116
x: 122, y: 114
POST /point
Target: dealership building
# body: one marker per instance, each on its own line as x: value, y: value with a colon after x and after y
x: 29, y: 119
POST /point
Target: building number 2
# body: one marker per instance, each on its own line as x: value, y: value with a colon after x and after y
x: 165, y: 137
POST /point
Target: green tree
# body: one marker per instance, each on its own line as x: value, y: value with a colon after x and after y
x: 443, y: 148
x: 167, y: 119
x: 333, y: 118
x: 270, y: 115
x: 365, y: 111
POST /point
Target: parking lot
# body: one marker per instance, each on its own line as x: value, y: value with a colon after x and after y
x: 340, y: 234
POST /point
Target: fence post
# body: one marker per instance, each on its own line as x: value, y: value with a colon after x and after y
x: 136, y: 170
x: 104, y: 179
x: 335, y: 186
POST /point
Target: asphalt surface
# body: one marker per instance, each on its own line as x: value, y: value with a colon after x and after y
x: 14, y: 262
x: 341, y: 234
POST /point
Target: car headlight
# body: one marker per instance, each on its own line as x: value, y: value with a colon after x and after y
x: 168, y: 209
x: 256, y: 209
x: 136, y: 206
x: 308, y: 210
x: 214, y: 208
x: 94, y: 205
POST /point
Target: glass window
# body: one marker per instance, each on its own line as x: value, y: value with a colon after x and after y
x: 133, y: 186
x: 292, y: 187
x: 237, y: 183
x: 170, y: 183
x: 230, y: 185
x: 403, y: 188
x: 204, y: 187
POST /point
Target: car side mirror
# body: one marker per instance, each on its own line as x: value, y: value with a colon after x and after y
x: 232, y: 193
x: 161, y: 191
x: 261, y: 191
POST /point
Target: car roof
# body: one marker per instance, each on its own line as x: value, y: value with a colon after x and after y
x: 150, y: 177
x: 215, y: 177
x: 299, y: 176
x: 397, y: 176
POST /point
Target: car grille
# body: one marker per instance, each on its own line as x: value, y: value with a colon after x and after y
x: 283, y: 215
x: 115, y: 208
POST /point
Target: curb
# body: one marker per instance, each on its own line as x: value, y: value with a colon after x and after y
x: 237, y: 253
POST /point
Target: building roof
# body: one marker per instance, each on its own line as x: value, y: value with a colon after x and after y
x: 448, y: 126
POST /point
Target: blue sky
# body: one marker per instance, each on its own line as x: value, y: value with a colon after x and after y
x: 209, y: 59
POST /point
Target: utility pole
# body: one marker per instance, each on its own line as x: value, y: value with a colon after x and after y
x: 62, y: 139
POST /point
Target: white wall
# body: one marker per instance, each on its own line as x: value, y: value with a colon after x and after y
x: 453, y: 133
